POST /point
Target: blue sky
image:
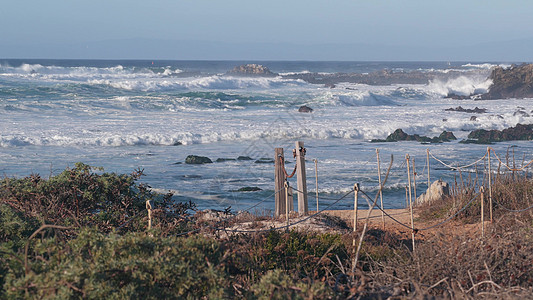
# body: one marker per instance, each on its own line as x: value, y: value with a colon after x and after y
x: 58, y: 27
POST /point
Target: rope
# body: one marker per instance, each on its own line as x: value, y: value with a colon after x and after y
x: 510, y: 169
x: 290, y: 225
x: 283, y: 167
x: 457, y: 168
x: 513, y: 210
x: 232, y: 217
x: 429, y: 227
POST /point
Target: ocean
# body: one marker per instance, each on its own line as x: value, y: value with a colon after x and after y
x: 124, y: 115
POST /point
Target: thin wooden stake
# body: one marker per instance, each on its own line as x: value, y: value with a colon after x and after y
x: 482, y: 190
x: 356, y: 191
x: 355, y: 208
x: 380, y: 192
x: 287, y: 211
x: 410, y: 202
x: 429, y: 181
x: 149, y: 208
x: 414, y: 179
x: 316, y: 181
x: 490, y: 187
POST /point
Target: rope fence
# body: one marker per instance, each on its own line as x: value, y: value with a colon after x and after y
x: 370, y: 202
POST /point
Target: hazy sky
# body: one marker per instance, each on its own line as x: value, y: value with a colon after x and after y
x: 428, y: 23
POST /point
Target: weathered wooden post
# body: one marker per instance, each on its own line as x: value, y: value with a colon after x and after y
x: 380, y: 192
x: 355, y: 208
x: 302, y: 181
x: 427, y: 154
x: 287, y: 211
x: 149, y: 209
x: 279, y: 181
x: 482, y: 190
x: 490, y: 186
x: 410, y: 202
x: 414, y: 179
x: 316, y: 182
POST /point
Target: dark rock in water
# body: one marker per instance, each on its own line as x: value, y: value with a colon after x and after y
x: 197, y: 160
x: 473, y: 118
x: 264, y: 161
x: 178, y: 163
x: 476, y: 110
x: 513, y: 82
x: 305, y: 109
x: 460, y: 97
x: 329, y: 85
x: 518, y: 133
x: 248, y: 189
x: 177, y: 143
x: 252, y: 70
x: 400, y: 135
x: 521, y: 113
x: 447, y: 136
x: 225, y: 159
x: 244, y: 158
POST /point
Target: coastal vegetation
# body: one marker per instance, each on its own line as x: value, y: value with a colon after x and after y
x: 84, y: 234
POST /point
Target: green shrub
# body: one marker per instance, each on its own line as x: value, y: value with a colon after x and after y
x: 277, y: 284
x: 98, y: 266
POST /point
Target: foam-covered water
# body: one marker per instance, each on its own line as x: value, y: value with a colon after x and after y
x: 123, y: 115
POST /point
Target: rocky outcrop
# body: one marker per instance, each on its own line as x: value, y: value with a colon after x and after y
x: 244, y: 158
x: 514, y: 82
x: 305, y: 109
x: 476, y: 110
x: 252, y: 70
x: 518, y: 133
x: 197, y: 160
x: 399, y: 135
x: 225, y: 159
x: 437, y: 191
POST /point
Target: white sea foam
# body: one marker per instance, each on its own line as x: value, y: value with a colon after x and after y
x: 485, y: 66
x: 462, y: 85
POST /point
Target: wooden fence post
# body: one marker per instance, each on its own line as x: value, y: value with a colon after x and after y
x: 490, y: 187
x: 355, y: 208
x: 410, y: 202
x: 380, y: 192
x: 303, y: 208
x: 287, y: 211
x: 482, y: 190
x: 316, y: 181
x: 279, y: 182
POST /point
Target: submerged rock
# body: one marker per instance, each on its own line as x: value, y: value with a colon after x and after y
x: 248, y: 189
x: 305, y: 109
x: 197, y: 160
x: 225, y: 159
x: 518, y: 133
x: 264, y: 161
x: 244, y: 158
x: 436, y: 192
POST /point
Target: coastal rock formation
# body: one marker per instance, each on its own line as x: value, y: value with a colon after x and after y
x: 400, y: 135
x: 305, y: 109
x: 252, y: 70
x: 518, y: 133
x: 514, y: 82
x: 225, y: 159
x: 264, y: 160
x: 197, y: 160
x: 383, y: 77
x: 436, y: 192
x: 476, y: 110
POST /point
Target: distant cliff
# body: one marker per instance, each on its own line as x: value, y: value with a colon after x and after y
x: 514, y: 82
